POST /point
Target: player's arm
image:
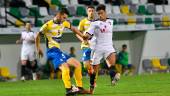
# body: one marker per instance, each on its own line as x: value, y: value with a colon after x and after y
x: 19, y: 41
x: 37, y: 39
x: 81, y: 29
x: 37, y: 44
x: 90, y: 32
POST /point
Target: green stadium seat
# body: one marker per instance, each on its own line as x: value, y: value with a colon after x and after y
x: 148, y: 20
x: 115, y: 22
x: 33, y: 11
x: 141, y: 9
x: 56, y: 2
x: 15, y: 12
x: 75, y: 22
x: 39, y: 23
x: 81, y: 11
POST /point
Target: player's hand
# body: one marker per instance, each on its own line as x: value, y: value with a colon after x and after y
x: 18, y: 41
x: 85, y: 37
x: 40, y: 53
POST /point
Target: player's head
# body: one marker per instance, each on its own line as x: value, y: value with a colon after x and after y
x: 124, y: 47
x: 28, y: 26
x: 90, y: 11
x: 62, y: 15
x: 101, y: 11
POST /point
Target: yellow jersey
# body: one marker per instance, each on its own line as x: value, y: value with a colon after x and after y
x: 83, y: 26
x: 53, y: 32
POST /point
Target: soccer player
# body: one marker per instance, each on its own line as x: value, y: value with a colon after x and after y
x: 53, y: 31
x: 27, y: 51
x: 102, y: 29
x: 85, y: 45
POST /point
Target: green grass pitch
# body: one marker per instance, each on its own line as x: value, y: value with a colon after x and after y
x: 141, y: 85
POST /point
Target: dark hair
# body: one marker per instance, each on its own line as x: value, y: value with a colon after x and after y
x: 90, y: 6
x: 101, y: 7
x: 124, y: 46
x: 64, y: 11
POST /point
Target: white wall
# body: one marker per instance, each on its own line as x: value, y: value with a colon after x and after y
x: 156, y: 44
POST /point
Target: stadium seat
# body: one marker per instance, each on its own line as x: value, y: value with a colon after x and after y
x: 121, y: 21
x: 65, y: 2
x: 81, y: 11
x: 4, y: 72
x: 148, y: 20
x: 75, y: 22
x: 109, y: 9
x: 133, y: 9
x: 147, y: 65
x: 116, y: 10
x: 43, y: 11
x: 165, y: 21
x: 39, y: 23
x: 53, y: 11
x: 114, y: 21
x: 19, y: 23
x: 56, y: 2
x: 2, y: 12
x: 28, y: 2
x: 24, y: 12
x: 131, y: 21
x: 135, y: 1
x: 167, y: 9
x: 157, y: 21
x: 159, y: 9
x: 124, y: 9
x: 156, y: 64
x: 143, y: 1
x: 101, y: 1
x: 141, y: 10
x: 72, y: 10
x: 127, y: 2
x: 15, y: 12
x: 139, y: 20
x: 151, y: 9
x: 34, y: 11
x: 73, y: 2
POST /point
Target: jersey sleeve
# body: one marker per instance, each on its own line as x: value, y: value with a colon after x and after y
x: 43, y: 29
x: 81, y: 26
x: 92, y: 28
x: 67, y: 24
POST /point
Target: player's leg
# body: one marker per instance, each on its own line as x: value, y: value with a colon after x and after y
x: 24, y: 59
x: 86, y: 60
x: 96, y: 56
x: 78, y: 75
x: 32, y: 59
x: 111, y: 59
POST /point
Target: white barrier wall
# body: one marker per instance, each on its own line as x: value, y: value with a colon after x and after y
x: 156, y: 44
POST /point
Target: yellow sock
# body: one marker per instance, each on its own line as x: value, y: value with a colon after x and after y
x: 66, y: 76
x: 78, y: 76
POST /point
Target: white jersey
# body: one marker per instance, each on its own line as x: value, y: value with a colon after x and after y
x: 28, y: 46
x: 27, y: 38
x: 103, y: 31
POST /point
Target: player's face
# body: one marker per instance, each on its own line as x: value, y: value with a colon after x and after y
x: 63, y: 17
x: 28, y: 26
x: 90, y: 12
x: 102, y: 14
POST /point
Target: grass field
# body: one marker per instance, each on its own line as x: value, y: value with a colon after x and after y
x: 143, y: 85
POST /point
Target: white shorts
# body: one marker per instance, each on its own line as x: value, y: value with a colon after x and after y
x: 28, y: 55
x: 99, y: 53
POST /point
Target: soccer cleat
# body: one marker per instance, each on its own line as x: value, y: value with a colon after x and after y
x: 23, y: 78
x: 92, y: 89
x: 116, y: 79
x: 71, y: 92
x: 83, y: 91
x: 34, y: 76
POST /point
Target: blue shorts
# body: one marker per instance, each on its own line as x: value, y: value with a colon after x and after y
x: 57, y: 56
x: 86, y: 54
